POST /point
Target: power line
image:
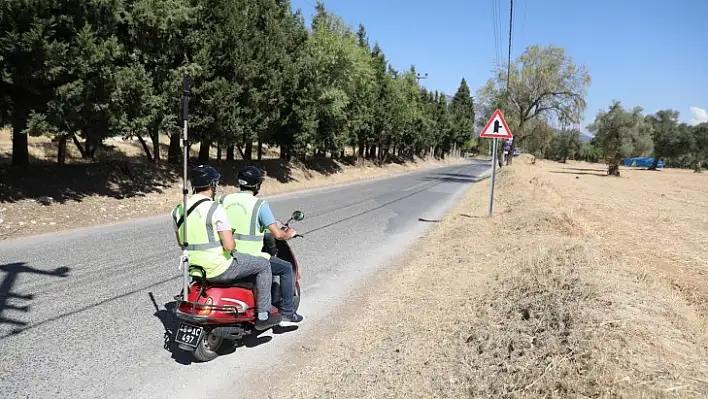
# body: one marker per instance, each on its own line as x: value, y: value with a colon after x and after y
x: 496, y: 31
x: 523, y: 20
x: 508, y: 66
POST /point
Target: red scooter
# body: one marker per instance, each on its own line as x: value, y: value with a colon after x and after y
x: 216, y: 313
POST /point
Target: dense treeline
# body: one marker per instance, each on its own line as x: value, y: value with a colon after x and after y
x: 84, y: 70
x: 620, y: 133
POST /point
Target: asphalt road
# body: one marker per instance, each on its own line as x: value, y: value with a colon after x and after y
x: 77, y: 320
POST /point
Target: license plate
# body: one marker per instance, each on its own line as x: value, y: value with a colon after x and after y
x: 188, y: 334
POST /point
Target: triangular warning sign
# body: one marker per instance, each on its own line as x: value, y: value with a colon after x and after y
x: 496, y: 128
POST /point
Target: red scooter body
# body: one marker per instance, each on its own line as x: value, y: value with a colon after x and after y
x: 214, y: 313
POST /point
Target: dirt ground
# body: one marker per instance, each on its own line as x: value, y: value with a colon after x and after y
x: 580, y: 286
x: 122, y: 186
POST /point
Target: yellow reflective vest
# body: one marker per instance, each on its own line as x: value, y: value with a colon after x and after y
x: 203, y: 243
x: 242, y: 209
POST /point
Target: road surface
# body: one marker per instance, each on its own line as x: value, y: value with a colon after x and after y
x: 77, y: 319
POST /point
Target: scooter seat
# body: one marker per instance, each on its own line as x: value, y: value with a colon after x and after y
x: 247, y: 283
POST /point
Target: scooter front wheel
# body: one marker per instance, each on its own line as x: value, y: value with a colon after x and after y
x: 208, y: 347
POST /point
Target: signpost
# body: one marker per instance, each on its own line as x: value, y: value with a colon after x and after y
x: 495, y: 129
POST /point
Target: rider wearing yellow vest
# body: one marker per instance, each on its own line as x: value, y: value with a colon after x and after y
x: 250, y: 219
x: 210, y: 243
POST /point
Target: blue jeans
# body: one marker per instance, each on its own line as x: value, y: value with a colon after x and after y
x: 284, y: 269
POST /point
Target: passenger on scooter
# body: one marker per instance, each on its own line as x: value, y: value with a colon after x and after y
x: 211, y: 243
x: 250, y: 218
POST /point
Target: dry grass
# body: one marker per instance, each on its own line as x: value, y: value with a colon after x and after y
x: 578, y: 287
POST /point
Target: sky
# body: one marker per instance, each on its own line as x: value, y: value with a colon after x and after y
x: 650, y: 53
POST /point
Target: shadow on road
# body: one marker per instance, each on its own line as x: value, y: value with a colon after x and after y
x: 170, y: 323
x: 12, y: 272
x: 453, y: 178
x: 24, y: 328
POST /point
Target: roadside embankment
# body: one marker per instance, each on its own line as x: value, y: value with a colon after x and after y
x: 568, y: 291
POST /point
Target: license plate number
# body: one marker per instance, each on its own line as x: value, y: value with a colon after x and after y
x: 188, y: 334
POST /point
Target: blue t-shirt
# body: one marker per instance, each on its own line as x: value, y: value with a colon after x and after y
x: 265, y: 216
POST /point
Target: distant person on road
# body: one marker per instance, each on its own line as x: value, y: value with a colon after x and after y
x: 250, y: 218
x: 211, y: 243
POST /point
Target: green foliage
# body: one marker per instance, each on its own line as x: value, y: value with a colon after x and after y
x: 544, y: 142
x: 621, y: 134
x: 669, y: 141
x: 590, y: 152
x: 87, y: 70
x: 566, y: 145
x: 462, y: 114
x: 544, y: 84
x: 698, y: 147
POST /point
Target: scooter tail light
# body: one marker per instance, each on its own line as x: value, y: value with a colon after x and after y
x: 205, y: 309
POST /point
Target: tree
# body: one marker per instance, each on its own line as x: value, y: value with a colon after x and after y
x: 149, y: 87
x: 81, y: 99
x: 666, y: 135
x: 544, y: 83
x: 621, y: 134
x: 698, y: 149
x: 566, y: 145
x: 540, y: 138
x: 339, y: 64
x: 462, y: 115
x: 589, y: 152
x: 31, y: 53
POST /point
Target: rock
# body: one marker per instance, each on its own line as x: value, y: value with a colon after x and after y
x: 45, y: 200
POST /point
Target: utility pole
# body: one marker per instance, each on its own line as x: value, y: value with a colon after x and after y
x: 496, y: 125
x: 508, y: 71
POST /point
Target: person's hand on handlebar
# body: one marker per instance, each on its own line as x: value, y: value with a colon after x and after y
x: 289, y: 231
x: 281, y: 233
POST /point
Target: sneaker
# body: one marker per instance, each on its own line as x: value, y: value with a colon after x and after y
x: 273, y: 320
x: 290, y: 319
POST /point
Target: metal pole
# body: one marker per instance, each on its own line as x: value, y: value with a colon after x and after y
x: 185, y: 192
x: 494, y: 172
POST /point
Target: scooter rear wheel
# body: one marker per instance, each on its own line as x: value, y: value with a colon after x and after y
x: 208, y: 347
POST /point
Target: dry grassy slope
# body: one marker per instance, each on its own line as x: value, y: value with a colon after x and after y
x: 543, y: 300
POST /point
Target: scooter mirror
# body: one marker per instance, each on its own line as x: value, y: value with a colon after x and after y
x: 298, y: 216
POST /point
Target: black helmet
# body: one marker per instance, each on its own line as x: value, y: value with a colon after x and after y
x: 250, y: 177
x: 204, y: 176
